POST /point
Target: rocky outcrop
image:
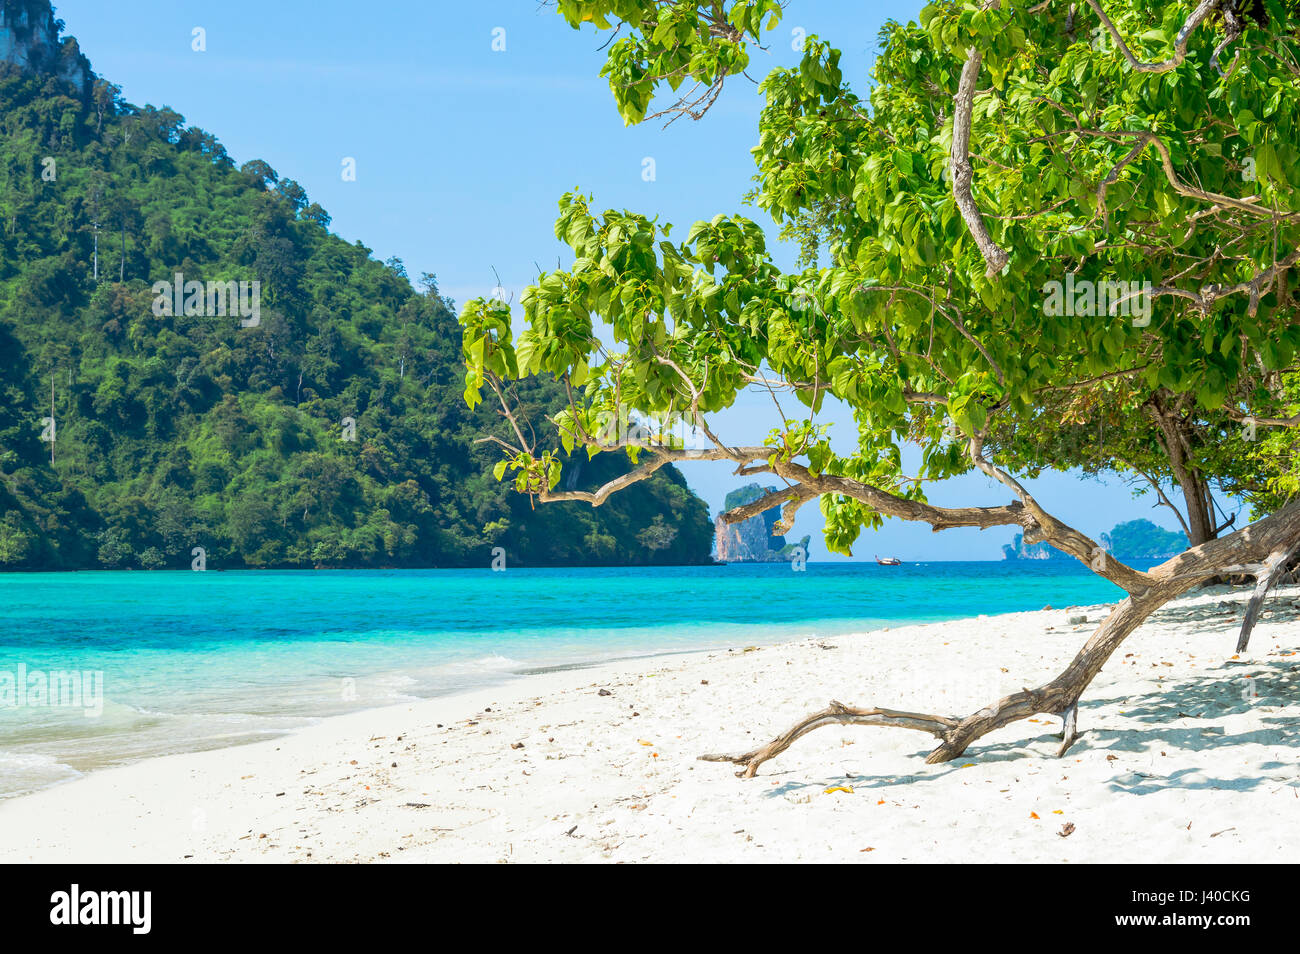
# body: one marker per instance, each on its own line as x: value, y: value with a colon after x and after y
x: 30, y: 40
x: 752, y: 541
x: 1019, y: 550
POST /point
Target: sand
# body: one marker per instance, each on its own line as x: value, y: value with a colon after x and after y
x: 1187, y: 755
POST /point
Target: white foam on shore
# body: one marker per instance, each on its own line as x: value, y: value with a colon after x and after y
x: 29, y: 771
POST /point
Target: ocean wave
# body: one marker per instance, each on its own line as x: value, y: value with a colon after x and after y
x: 23, y: 772
x: 495, y: 661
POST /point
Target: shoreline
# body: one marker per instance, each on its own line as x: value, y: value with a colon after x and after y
x: 509, y: 678
x: 545, y: 768
x: 506, y: 678
x: 752, y: 638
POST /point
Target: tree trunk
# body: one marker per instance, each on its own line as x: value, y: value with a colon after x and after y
x: 1061, y: 695
x: 1269, y: 539
x: 1195, y: 489
x: 1200, y: 522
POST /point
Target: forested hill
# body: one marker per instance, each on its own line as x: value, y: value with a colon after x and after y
x: 328, y: 429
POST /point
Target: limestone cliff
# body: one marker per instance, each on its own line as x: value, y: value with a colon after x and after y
x: 30, y: 40
x: 752, y: 540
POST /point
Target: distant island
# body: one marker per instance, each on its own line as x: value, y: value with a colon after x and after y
x: 752, y: 540
x: 1130, y: 540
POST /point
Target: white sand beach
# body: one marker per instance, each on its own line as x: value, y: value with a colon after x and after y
x: 1187, y: 755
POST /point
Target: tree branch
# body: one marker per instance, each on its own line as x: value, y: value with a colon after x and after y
x: 797, y: 495
x: 995, y: 257
x: 837, y: 713
x: 1273, y: 568
x: 1292, y: 421
x: 1180, y: 44
x: 659, y: 457
x: 1042, y: 526
x: 1061, y: 695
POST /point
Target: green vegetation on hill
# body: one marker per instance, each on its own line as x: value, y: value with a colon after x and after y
x: 747, y: 494
x: 174, y: 432
x: 1142, y: 539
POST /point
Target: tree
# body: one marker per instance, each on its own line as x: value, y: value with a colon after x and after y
x: 1037, y: 198
x: 293, y: 193
x: 260, y: 172
x: 658, y: 535
x: 1157, y: 442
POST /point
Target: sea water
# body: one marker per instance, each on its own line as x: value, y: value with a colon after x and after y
x: 195, y: 660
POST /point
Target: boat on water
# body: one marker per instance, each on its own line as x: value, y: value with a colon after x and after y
x: 889, y: 561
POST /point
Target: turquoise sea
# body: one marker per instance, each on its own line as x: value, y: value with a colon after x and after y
x: 194, y: 660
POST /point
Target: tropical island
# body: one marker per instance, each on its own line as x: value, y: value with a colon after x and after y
x: 330, y: 433
x: 1027, y: 241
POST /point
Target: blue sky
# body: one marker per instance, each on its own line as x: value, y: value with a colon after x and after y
x: 462, y: 151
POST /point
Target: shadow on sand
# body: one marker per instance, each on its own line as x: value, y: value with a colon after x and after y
x: 1269, y: 687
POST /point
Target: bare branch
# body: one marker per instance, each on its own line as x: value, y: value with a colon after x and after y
x: 1236, y: 415
x: 1254, y: 287
x: 1273, y: 568
x: 1182, y: 188
x: 1047, y: 528
x: 798, y: 494
x: 1160, y: 492
x: 836, y: 714
x: 1180, y: 44
x: 995, y: 257
x: 659, y: 457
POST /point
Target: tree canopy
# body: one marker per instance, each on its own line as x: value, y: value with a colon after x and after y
x: 1032, y: 218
